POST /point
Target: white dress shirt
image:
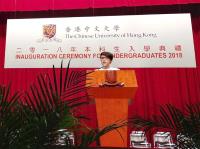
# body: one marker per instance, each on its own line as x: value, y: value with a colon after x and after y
x: 110, y: 68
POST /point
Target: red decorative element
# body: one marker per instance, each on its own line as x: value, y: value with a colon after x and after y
x: 38, y: 5
x: 111, y: 76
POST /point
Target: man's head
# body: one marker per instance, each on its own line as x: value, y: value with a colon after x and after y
x: 106, y: 59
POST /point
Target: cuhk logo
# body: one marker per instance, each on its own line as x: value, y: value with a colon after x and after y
x: 49, y: 32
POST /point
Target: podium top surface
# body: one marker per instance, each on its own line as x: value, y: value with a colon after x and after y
x: 128, y: 77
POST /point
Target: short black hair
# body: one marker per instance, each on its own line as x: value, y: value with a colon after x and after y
x: 108, y: 55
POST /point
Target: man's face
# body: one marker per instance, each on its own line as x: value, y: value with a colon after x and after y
x: 105, y: 61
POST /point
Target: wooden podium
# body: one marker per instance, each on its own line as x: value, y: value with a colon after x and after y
x: 112, y: 103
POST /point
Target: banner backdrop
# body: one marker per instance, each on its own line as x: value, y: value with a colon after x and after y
x: 148, y: 41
